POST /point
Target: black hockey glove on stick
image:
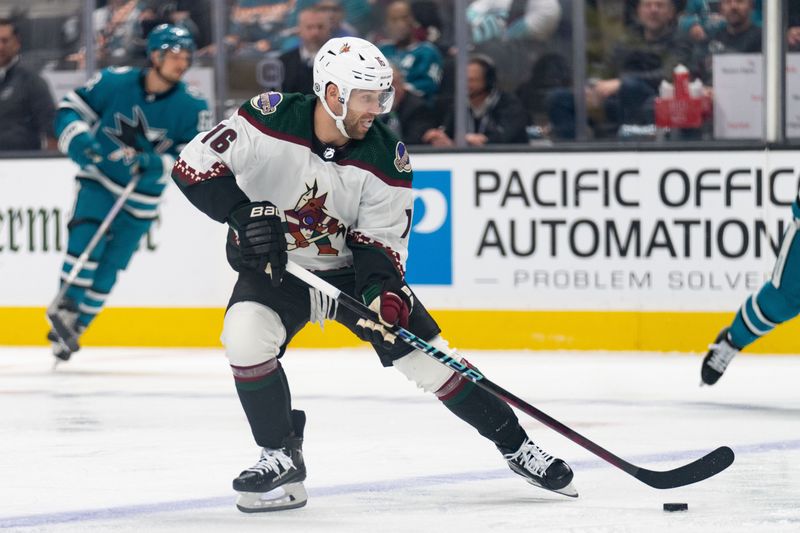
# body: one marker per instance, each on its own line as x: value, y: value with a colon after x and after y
x: 709, y: 465
x: 261, y: 241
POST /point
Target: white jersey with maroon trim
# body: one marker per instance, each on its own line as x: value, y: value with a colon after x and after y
x: 331, y: 199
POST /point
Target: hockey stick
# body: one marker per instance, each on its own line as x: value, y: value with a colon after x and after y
x: 709, y: 465
x: 62, y: 330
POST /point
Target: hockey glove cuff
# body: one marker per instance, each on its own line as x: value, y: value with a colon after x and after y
x: 84, y: 149
x: 261, y: 241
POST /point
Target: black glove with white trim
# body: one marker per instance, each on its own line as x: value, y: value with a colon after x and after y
x: 260, y: 239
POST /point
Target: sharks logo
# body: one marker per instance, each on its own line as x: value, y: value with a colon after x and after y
x: 133, y: 135
x: 309, y: 223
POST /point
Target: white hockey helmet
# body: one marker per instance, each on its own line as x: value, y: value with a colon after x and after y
x: 351, y: 64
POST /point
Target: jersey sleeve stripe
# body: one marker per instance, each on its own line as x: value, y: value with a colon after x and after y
x: 358, y: 239
x: 260, y: 126
x: 72, y: 100
x: 393, y: 182
x: 189, y: 176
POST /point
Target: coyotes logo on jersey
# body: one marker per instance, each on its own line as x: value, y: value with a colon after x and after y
x: 308, y: 223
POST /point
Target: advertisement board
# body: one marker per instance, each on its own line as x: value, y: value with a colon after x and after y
x: 554, y: 250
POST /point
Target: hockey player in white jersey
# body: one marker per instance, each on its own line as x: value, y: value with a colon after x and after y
x: 318, y: 179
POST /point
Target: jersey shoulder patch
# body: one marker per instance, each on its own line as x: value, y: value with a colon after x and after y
x: 385, y: 155
x: 286, y: 116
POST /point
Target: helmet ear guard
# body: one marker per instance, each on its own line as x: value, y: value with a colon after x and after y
x: 351, y: 64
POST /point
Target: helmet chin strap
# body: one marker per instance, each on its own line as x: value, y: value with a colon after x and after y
x: 339, y: 120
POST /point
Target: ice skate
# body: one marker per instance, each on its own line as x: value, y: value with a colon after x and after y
x: 541, y: 469
x: 275, y: 482
x: 65, y: 331
x: 718, y: 358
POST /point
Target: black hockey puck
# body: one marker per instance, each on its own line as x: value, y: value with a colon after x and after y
x: 676, y: 506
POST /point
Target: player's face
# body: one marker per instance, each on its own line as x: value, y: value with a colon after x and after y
x: 174, y: 63
x: 362, y: 108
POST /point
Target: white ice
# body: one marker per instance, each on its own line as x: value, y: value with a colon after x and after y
x: 128, y: 440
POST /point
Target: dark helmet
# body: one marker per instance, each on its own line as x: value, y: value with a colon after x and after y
x: 168, y: 37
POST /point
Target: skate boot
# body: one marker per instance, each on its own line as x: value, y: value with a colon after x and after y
x: 540, y: 468
x: 275, y: 482
x: 718, y: 358
x: 65, y: 331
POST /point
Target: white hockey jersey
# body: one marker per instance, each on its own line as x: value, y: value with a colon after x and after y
x: 333, y: 201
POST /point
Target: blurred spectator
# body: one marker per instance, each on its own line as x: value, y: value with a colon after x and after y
x: 739, y: 35
x: 513, y: 33
x: 26, y: 105
x: 259, y: 26
x: 793, y: 35
x: 497, y: 117
x: 118, y: 32
x: 420, y: 61
x: 550, y: 72
x: 642, y: 57
x: 513, y: 19
x: 410, y: 117
x: 186, y: 14
x: 697, y: 21
x: 340, y: 27
x: 313, y: 29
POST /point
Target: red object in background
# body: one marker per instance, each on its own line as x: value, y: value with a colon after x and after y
x: 682, y: 111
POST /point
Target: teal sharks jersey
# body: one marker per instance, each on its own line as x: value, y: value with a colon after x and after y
x: 122, y: 115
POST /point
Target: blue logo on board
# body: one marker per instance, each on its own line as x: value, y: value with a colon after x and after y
x: 430, y: 251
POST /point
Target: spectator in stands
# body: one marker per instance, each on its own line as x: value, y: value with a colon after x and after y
x: 259, y: 26
x: 337, y: 19
x: 496, y: 117
x: 551, y: 71
x: 180, y: 13
x: 118, y: 32
x: 633, y: 71
x: 410, y: 117
x: 739, y: 35
x: 313, y: 30
x: 513, y: 33
x: 697, y: 21
x: 793, y: 35
x: 509, y: 19
x: 26, y: 105
x: 420, y: 61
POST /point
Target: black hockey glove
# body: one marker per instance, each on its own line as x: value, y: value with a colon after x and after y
x: 261, y: 240
x: 392, y: 302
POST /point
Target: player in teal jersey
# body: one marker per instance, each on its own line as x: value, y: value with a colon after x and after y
x: 124, y: 121
x: 776, y: 302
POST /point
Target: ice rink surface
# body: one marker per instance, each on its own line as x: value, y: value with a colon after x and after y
x: 135, y: 440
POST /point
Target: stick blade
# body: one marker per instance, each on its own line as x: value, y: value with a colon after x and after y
x: 63, y: 331
x: 707, y: 466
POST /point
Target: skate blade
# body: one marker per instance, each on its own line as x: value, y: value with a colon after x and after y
x: 569, y: 490
x: 289, y: 496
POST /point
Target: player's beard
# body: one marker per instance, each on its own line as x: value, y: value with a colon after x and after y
x: 355, y: 128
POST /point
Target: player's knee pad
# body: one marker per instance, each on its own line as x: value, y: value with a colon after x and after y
x: 422, y: 369
x: 252, y: 334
